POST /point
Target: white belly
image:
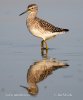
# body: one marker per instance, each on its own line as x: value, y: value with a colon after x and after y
x: 36, y: 33
x: 43, y: 34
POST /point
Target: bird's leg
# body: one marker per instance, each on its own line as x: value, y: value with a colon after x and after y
x: 44, y: 53
x: 42, y: 44
x: 46, y: 45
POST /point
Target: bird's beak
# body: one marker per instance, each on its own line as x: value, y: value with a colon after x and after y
x: 24, y: 87
x: 23, y: 13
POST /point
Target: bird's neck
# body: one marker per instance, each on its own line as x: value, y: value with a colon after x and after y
x: 32, y: 15
x: 31, y: 18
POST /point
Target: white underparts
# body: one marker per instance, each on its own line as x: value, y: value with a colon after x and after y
x: 44, y: 34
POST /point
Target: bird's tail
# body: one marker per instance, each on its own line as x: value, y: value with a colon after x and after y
x: 65, y: 30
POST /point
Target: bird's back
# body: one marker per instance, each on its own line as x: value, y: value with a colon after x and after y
x: 49, y: 27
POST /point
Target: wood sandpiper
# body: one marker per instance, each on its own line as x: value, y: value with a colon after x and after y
x: 39, y: 27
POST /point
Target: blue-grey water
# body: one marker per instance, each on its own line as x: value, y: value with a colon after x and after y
x: 19, y: 49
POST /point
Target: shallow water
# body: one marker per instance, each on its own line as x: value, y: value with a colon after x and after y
x: 19, y: 49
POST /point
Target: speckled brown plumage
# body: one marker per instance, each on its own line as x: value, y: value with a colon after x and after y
x: 49, y: 27
x: 39, y: 27
x: 41, y: 69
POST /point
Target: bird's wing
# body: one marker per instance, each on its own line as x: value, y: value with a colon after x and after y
x: 49, y: 27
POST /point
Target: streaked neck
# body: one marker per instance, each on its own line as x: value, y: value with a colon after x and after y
x: 32, y: 15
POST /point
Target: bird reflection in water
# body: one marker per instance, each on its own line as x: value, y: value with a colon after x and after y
x: 39, y: 71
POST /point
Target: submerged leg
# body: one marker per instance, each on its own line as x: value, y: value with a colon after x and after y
x: 46, y: 45
x: 42, y: 44
x: 44, y: 53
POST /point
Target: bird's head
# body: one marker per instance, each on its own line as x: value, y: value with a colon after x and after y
x: 32, y: 90
x: 32, y: 8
